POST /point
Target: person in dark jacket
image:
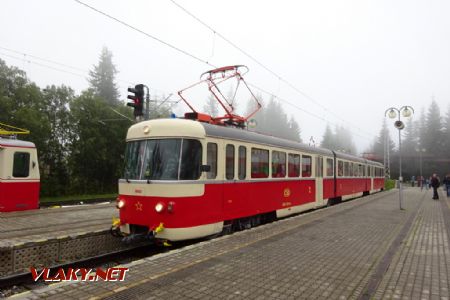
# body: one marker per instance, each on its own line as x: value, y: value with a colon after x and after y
x: 447, y: 184
x: 435, y: 184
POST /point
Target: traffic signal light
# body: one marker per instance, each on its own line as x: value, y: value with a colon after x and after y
x: 138, y: 99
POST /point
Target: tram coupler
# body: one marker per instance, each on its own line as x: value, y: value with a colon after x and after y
x: 115, y: 228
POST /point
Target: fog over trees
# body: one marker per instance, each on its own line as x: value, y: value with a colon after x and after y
x: 271, y: 119
x: 425, y: 143
x: 81, y: 138
x: 339, y: 140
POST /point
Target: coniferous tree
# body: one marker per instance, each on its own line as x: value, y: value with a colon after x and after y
x: 211, y: 107
x: 102, y: 78
x: 344, y: 140
x: 446, y: 134
x: 328, y: 141
x: 272, y: 120
x: 433, y: 137
x: 294, y: 130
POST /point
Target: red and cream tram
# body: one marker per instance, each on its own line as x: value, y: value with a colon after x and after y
x: 19, y: 175
x: 186, y: 179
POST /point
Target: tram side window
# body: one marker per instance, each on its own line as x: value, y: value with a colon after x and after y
x: 242, y: 171
x: 306, y: 166
x: 293, y: 165
x: 340, y: 168
x: 21, y: 166
x: 229, y: 162
x: 346, y: 169
x: 191, y: 159
x: 350, y: 169
x: 330, y: 167
x: 211, y: 160
x: 278, y: 164
x: 260, y: 163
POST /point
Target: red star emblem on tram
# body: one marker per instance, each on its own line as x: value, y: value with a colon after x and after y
x: 138, y: 206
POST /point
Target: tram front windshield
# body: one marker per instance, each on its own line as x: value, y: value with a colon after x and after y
x: 163, y: 159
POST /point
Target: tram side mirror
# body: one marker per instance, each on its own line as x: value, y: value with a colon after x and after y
x: 205, y: 168
x: 33, y: 164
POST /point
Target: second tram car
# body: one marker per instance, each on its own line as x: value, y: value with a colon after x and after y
x: 19, y: 175
x: 186, y: 179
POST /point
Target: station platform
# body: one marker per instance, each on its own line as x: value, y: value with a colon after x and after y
x: 55, y: 235
x: 361, y: 249
x: 25, y: 226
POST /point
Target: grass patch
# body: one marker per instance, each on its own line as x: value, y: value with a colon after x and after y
x: 389, y: 184
x: 84, y: 198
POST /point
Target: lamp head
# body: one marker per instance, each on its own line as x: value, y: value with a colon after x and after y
x: 392, y: 114
x: 406, y: 112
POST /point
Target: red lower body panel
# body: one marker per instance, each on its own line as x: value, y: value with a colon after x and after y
x: 220, y: 202
x: 15, y: 196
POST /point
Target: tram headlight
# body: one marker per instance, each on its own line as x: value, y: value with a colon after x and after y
x: 159, y: 207
x: 120, y: 204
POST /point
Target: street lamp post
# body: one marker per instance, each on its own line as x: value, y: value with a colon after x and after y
x: 392, y: 113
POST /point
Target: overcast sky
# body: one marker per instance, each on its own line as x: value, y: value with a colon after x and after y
x: 353, y: 59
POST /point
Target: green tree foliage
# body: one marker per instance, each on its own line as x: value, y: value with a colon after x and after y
x: 55, y: 179
x: 45, y: 115
x: 97, y: 144
x: 102, y: 78
x: 80, y: 140
x: 272, y: 120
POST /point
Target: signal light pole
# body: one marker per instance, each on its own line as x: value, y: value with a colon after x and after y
x: 392, y: 113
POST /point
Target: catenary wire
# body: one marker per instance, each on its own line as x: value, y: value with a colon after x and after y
x: 145, y: 33
x: 201, y: 60
x: 26, y: 57
x: 262, y: 65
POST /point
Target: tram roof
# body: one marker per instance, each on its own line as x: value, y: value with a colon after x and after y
x: 185, y: 128
x: 250, y: 136
x: 5, y: 142
x: 258, y: 138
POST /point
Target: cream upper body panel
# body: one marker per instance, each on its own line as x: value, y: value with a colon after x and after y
x: 166, y: 128
x: 7, y: 162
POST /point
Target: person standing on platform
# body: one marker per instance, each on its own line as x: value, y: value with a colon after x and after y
x: 435, y: 184
x: 447, y: 184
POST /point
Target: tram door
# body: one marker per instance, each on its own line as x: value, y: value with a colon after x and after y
x: 319, y: 180
x: 371, y: 173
